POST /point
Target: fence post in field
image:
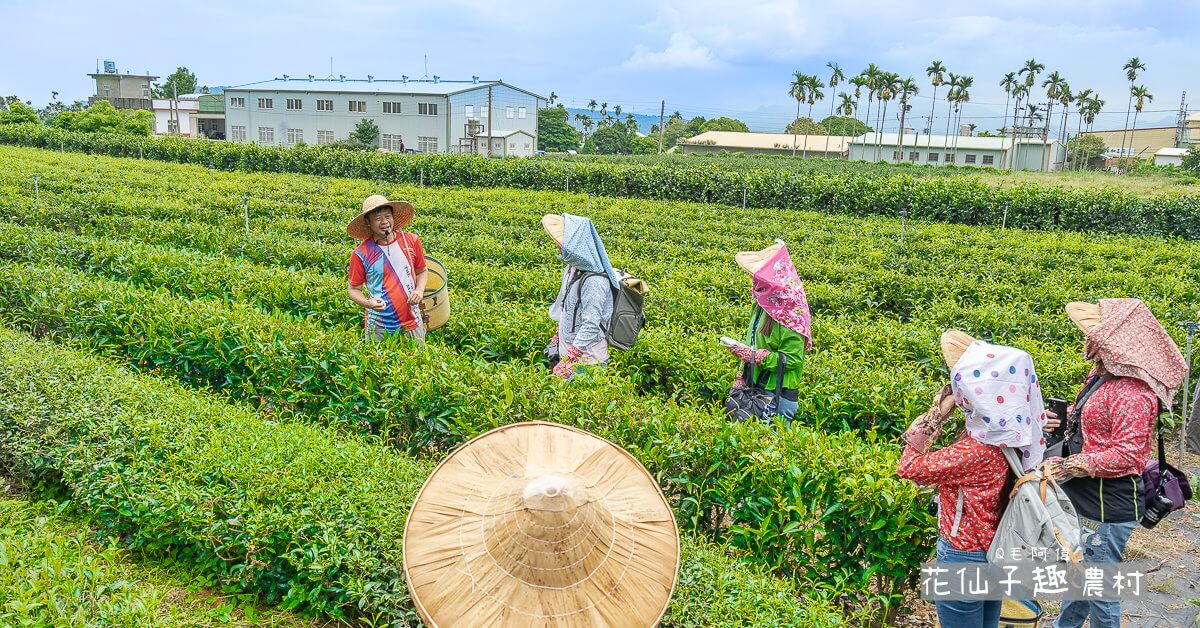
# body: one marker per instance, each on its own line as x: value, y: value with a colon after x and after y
x: 37, y: 195
x: 139, y: 150
x: 422, y: 176
x: 1189, y: 435
x: 1004, y: 220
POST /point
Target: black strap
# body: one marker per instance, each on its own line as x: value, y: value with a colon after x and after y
x: 578, y: 282
x: 1162, y: 454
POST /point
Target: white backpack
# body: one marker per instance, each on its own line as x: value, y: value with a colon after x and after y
x: 1040, y: 524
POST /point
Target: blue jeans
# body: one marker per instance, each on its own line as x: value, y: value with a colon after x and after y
x: 1102, y: 543
x: 965, y: 613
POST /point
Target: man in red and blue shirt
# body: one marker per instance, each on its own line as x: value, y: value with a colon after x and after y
x: 390, y: 265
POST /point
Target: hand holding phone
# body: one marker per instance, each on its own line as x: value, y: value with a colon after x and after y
x: 728, y: 342
x: 1057, y: 407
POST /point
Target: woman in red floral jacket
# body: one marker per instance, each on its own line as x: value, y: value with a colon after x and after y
x: 1109, y: 433
x: 998, y: 392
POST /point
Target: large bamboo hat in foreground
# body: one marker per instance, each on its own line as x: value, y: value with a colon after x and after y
x: 538, y: 524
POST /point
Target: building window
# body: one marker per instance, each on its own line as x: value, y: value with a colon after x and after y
x: 989, y: 160
x: 509, y: 112
x: 295, y: 136
x: 265, y: 103
x: 173, y: 127
x: 427, y: 109
x: 968, y: 159
x: 394, y: 143
x: 266, y: 135
x: 359, y: 106
x: 145, y: 92
x: 324, y: 137
x: 521, y: 112
x: 391, y: 107
x: 237, y: 133
x: 237, y: 102
x: 325, y: 105
x: 427, y: 144
x: 895, y: 155
x: 294, y: 104
x: 469, y: 111
x: 913, y: 156
x: 933, y: 157
x: 949, y: 158
x: 483, y: 111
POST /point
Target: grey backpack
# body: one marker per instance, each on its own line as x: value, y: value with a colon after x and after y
x: 1040, y: 524
x: 627, y: 317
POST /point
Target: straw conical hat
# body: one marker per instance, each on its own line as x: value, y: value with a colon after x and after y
x: 954, y: 344
x: 554, y: 225
x: 753, y: 261
x: 402, y: 214
x: 1084, y: 315
x: 540, y: 524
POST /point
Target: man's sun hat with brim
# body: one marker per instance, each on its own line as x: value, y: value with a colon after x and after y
x: 402, y: 214
x: 555, y: 226
x: 1085, y: 315
x: 539, y: 524
x: 954, y: 344
x: 753, y: 261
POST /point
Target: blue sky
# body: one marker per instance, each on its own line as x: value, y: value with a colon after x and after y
x: 703, y: 56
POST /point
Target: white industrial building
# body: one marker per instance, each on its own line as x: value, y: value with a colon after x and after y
x: 1025, y: 153
x: 428, y: 115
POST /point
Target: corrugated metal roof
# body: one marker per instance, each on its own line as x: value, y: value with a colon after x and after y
x: 1172, y: 152
x: 773, y: 141
x: 373, y: 86
x: 940, y: 141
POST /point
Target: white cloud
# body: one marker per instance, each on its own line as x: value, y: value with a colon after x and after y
x: 682, y: 52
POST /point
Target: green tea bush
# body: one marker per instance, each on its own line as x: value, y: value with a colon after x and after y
x: 951, y: 199
x: 51, y: 575
x: 846, y: 521
x: 307, y: 518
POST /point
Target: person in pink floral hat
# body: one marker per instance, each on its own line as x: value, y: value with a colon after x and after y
x: 780, y: 325
x: 1110, y: 433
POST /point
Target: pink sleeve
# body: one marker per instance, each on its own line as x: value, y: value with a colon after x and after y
x: 1131, y: 417
x: 949, y: 465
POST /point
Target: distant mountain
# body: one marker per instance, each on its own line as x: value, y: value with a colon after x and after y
x: 644, y: 121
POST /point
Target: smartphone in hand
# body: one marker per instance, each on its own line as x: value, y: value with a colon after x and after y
x: 728, y: 342
x: 1059, y: 408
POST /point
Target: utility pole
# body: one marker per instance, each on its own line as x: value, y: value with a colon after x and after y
x: 1181, y: 121
x: 662, y: 109
x: 1189, y: 439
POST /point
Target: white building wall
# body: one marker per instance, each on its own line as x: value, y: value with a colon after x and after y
x: 162, y: 116
x: 446, y: 127
x: 341, y: 121
x: 505, y: 101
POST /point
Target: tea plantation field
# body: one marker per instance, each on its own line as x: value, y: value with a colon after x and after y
x: 250, y: 434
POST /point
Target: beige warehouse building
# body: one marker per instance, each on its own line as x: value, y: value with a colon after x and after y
x: 1146, y: 142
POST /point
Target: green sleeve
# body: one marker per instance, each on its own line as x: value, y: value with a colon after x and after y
x: 789, y: 343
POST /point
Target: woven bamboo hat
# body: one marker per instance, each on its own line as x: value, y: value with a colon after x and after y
x: 540, y: 524
x: 402, y: 214
x: 1084, y: 315
x: 954, y: 344
x: 753, y: 261
x: 553, y: 224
